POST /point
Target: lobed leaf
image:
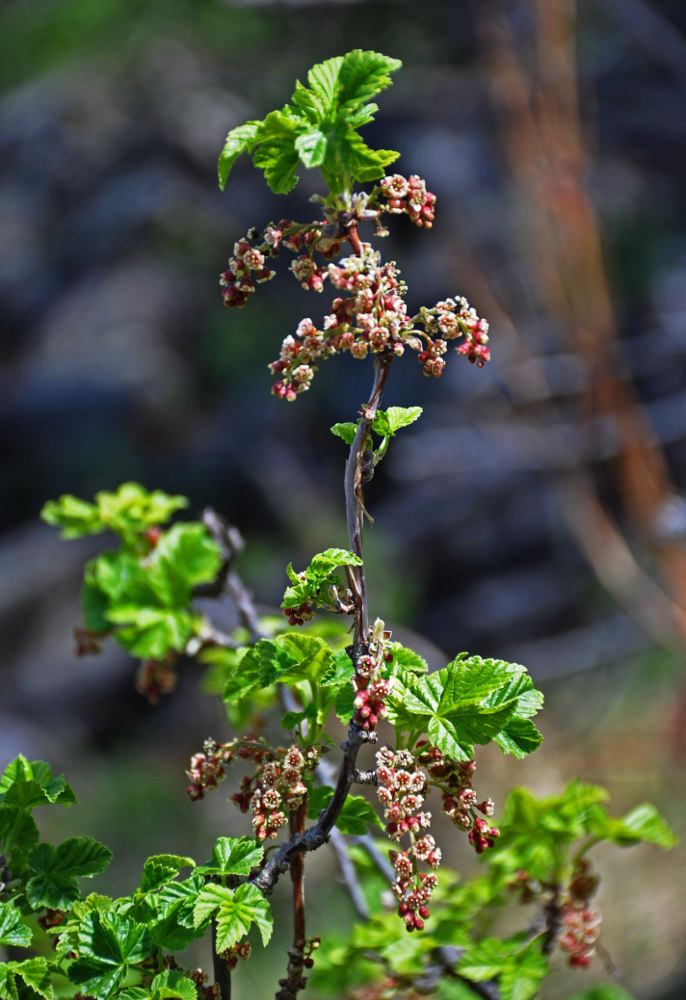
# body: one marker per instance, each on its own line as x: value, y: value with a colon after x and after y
x: 234, y: 856
x: 389, y: 422
x: 31, y: 783
x: 161, y: 868
x: 19, y: 979
x: 13, y: 930
x: 234, y: 911
x: 55, y: 870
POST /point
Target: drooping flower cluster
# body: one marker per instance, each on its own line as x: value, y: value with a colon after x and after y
x: 206, y: 771
x: 156, y: 677
x: 371, y: 689
x: 276, y: 788
x: 237, y: 282
x: 459, y: 798
x: 401, y: 791
x: 409, y: 195
x: 231, y: 955
x: 372, y: 315
x: 579, y: 921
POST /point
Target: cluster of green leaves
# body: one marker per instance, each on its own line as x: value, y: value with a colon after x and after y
x: 318, y: 583
x: 36, y: 875
x: 386, y: 424
x: 575, y: 815
x: 545, y: 837
x: 142, y: 592
x: 111, y: 947
x: 470, y: 701
x: 319, y: 128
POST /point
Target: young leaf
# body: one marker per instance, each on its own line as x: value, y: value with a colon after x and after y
x: 18, y: 836
x: 13, y: 930
x: 152, y: 633
x: 354, y: 817
x: 75, y: 517
x: 29, y: 784
x: 184, y: 557
x: 233, y: 856
x: 519, y: 969
x: 24, y: 979
x: 239, y: 140
x: 108, y: 944
x: 234, y: 911
x: 56, y: 869
x: 131, y: 508
x: 389, y: 422
x: 643, y: 823
x: 312, y: 656
x: 173, y: 983
x: 407, y: 658
x: 346, y: 431
x: 161, y: 868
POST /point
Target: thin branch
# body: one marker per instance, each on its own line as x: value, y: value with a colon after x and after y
x: 349, y: 874
x: 354, y: 503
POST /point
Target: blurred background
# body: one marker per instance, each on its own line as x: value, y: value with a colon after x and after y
x: 535, y: 513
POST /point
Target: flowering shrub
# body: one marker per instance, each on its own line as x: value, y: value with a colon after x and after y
x: 310, y: 668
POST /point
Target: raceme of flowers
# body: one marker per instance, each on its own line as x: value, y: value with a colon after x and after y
x: 371, y: 316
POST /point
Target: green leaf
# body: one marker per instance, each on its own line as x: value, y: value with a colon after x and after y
x: 29, y: 784
x: 363, y: 74
x: 408, y: 658
x: 292, y: 719
x: 32, y: 975
x: 234, y: 911
x: 185, y: 556
x: 132, y: 508
x: 311, y: 147
x: 75, y: 517
x: 152, y: 633
x: 324, y: 562
x: 276, y: 153
x: 312, y: 657
x: 239, y: 140
x: 56, y: 869
x: 161, y: 868
x: 234, y: 856
x: 108, y: 944
x: 344, y: 706
x: 643, y: 823
x: 388, y: 422
x: 172, y: 983
x: 18, y: 836
x: 604, y: 991
x: 346, y: 431
x: 519, y: 969
x: 519, y: 737
x: 355, y: 816
x: 12, y: 928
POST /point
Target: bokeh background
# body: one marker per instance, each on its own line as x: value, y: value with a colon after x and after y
x: 535, y: 513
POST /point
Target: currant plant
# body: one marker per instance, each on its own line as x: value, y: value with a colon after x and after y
x: 411, y: 734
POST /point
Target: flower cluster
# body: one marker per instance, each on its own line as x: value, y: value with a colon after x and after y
x: 401, y: 791
x: 372, y: 317
x: 231, y: 955
x: 276, y: 788
x: 156, y: 677
x: 371, y: 689
x: 237, y: 282
x: 207, y: 768
x: 409, y: 195
x: 579, y: 921
x: 460, y: 802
